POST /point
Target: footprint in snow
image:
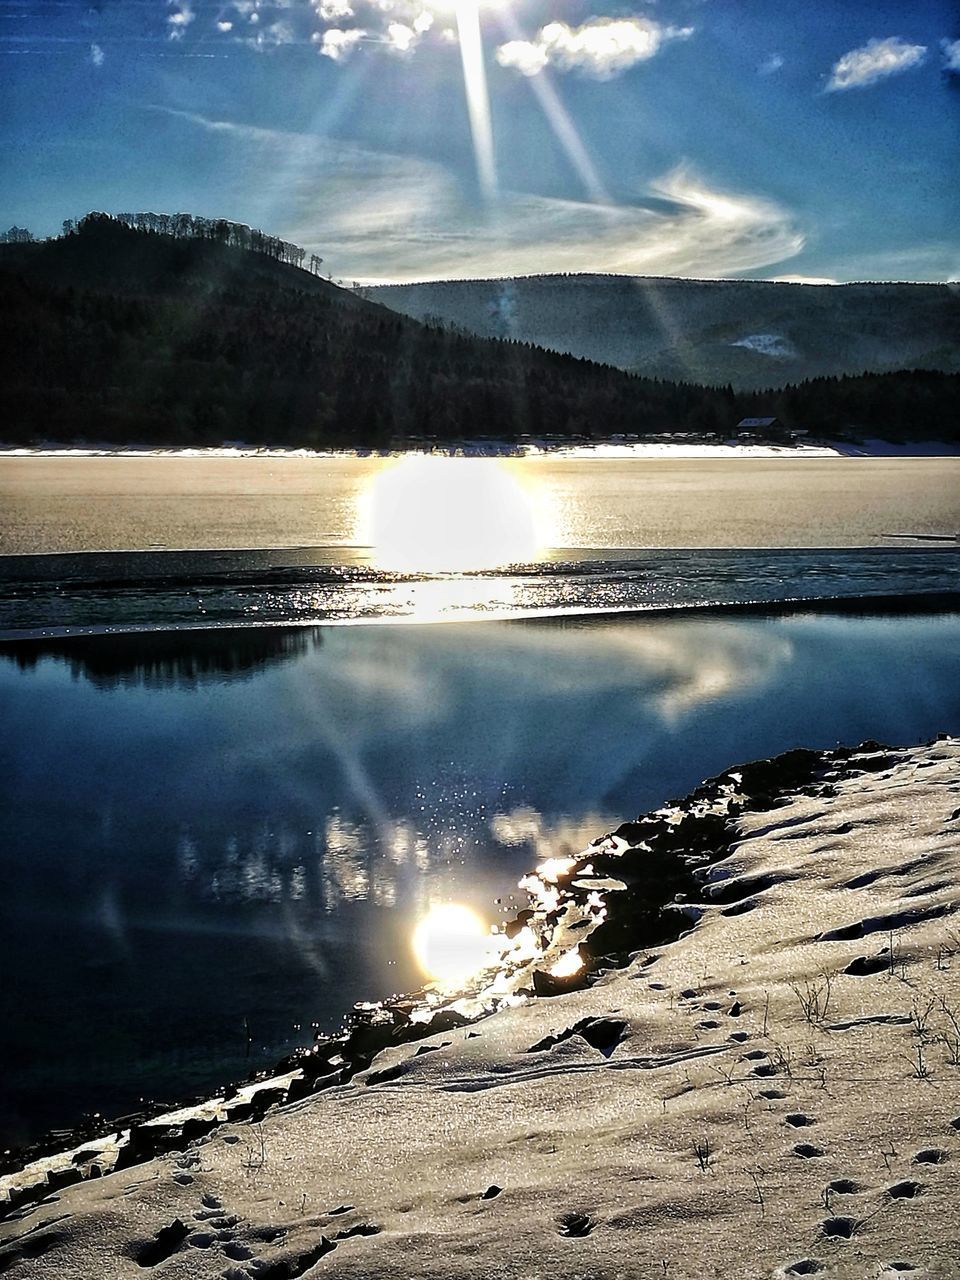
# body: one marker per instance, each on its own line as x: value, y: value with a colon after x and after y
x: 905, y: 1190
x: 575, y: 1224
x: 839, y: 1228
x: 844, y: 1187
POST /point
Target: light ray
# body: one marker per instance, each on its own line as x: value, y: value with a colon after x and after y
x: 478, y: 97
x: 566, y: 134
x: 558, y: 118
x: 565, y: 131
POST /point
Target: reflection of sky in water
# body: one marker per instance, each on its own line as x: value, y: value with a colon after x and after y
x: 207, y: 833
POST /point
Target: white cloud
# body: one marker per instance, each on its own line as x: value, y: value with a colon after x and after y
x: 337, y: 43
x: 602, y: 47
x: 401, y: 37
x: 771, y: 65
x: 951, y: 55
x: 876, y: 60
x: 336, y: 27
x: 529, y: 57
x: 97, y: 56
x: 179, y: 19
x: 333, y: 10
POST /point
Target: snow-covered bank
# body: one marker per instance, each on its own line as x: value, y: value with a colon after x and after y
x: 776, y: 1093
x: 490, y: 448
x: 673, y: 449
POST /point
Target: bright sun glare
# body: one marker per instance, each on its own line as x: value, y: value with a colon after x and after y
x: 438, y: 514
x: 451, y: 942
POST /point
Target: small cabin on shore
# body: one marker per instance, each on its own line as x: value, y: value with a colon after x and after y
x: 758, y: 426
x: 768, y: 429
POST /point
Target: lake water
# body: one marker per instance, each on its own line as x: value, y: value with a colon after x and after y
x: 213, y: 840
x: 219, y: 830
x: 75, y: 504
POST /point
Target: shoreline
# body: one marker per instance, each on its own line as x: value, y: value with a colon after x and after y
x: 703, y: 817
x: 751, y: 879
x: 879, y: 605
x: 649, y: 450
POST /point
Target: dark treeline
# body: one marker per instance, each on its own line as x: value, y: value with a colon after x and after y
x: 125, y: 335
x: 190, y: 226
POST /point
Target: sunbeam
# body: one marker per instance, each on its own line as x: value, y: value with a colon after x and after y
x: 559, y: 121
x: 478, y: 97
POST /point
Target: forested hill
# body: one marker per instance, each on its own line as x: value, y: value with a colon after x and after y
x: 750, y: 333
x: 107, y: 255
x: 117, y: 335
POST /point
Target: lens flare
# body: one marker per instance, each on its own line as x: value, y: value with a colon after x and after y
x: 428, y: 514
x: 451, y: 942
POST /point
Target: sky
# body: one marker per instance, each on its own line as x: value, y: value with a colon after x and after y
x: 426, y: 139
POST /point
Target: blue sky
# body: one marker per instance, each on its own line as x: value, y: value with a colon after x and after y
x: 682, y: 137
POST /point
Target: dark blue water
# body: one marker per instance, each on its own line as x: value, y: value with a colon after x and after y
x: 212, y: 840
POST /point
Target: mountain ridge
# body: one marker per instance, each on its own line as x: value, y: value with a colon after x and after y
x: 753, y: 334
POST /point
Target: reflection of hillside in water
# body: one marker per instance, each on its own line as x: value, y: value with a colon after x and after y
x: 347, y: 860
x: 162, y: 659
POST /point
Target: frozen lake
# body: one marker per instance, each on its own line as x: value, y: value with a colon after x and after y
x: 72, y: 504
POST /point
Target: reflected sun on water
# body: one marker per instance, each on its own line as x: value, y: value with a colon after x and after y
x: 426, y: 513
x: 451, y: 942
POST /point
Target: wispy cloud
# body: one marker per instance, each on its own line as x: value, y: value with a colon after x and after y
x: 771, y: 65
x: 380, y: 216
x: 602, y: 47
x: 951, y: 55
x: 179, y: 18
x: 876, y: 60
x: 97, y: 56
x: 271, y: 35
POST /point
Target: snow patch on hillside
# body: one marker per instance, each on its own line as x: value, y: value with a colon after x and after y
x: 768, y: 344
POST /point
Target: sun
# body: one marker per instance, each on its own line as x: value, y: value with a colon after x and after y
x: 425, y: 513
x: 451, y: 942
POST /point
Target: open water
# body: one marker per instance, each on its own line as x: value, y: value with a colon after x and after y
x: 212, y: 840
